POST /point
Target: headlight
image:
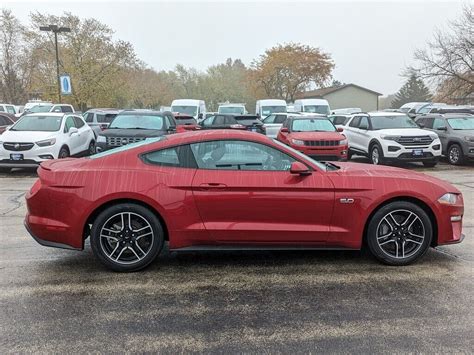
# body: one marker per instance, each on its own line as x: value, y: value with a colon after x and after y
x: 469, y: 139
x: 448, y: 199
x: 389, y: 138
x: 101, y: 139
x: 433, y: 136
x: 297, y: 142
x: 46, y: 142
x: 343, y: 142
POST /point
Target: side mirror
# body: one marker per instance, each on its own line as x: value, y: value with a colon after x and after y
x: 340, y: 129
x: 411, y: 115
x: 172, y: 128
x: 200, y: 116
x: 73, y: 130
x: 298, y: 168
x: 442, y: 129
x: 284, y: 130
x: 421, y: 125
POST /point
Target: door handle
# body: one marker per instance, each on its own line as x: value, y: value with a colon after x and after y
x: 212, y: 185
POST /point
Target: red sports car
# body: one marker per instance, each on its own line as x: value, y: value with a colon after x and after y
x: 315, y: 136
x: 228, y: 189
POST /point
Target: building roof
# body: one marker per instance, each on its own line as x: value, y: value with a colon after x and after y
x: 324, y: 91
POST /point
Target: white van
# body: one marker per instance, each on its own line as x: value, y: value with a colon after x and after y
x: 320, y: 106
x: 195, y: 108
x: 269, y: 106
x: 229, y: 108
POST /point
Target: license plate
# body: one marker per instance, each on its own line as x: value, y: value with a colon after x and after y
x: 16, y: 157
x: 417, y: 152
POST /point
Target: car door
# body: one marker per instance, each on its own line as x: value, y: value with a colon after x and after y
x: 439, y: 126
x: 351, y: 131
x: 363, y: 136
x: 84, y: 132
x: 245, y: 194
x: 72, y: 139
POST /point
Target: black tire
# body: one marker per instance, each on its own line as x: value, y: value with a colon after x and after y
x: 455, y: 154
x: 376, y: 149
x: 126, y: 240
x: 393, y: 240
x: 92, y: 149
x: 349, y: 154
x: 5, y: 170
x: 63, y: 153
x: 430, y: 164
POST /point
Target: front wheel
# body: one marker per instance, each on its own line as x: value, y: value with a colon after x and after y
x: 63, y: 153
x: 376, y: 154
x: 399, y: 233
x: 126, y: 237
x: 92, y: 149
x: 455, y: 155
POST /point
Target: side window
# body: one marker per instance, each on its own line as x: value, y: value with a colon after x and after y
x: 355, y: 122
x: 56, y: 109
x: 3, y: 121
x: 180, y: 156
x: 208, y: 121
x: 11, y: 109
x: 2, y: 109
x: 69, y: 124
x: 78, y: 122
x: 438, y: 123
x: 90, y: 117
x: 240, y: 155
x: 364, y: 122
x: 170, y: 120
x: 230, y: 120
x: 280, y: 119
x: 428, y: 122
x: 66, y: 108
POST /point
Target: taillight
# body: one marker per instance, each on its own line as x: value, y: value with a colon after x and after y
x: 103, y: 127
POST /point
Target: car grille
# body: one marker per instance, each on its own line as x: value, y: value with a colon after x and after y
x: 18, y: 147
x: 414, y: 140
x: 119, y: 141
x: 321, y: 143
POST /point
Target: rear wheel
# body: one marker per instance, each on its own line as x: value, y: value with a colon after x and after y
x: 126, y: 237
x: 91, y: 150
x: 455, y: 154
x: 399, y: 233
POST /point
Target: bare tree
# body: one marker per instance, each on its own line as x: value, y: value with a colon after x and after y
x: 448, y: 62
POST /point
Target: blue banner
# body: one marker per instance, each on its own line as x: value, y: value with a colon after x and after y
x: 66, y: 87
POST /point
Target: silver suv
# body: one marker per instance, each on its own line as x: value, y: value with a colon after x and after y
x: 456, y: 132
x: 99, y: 118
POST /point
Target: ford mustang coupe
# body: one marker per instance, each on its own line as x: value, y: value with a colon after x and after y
x: 230, y: 189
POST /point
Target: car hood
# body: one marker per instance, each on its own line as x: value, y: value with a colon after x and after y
x: 405, y: 132
x: 306, y: 136
x: 26, y: 136
x: 464, y: 132
x: 117, y: 132
x: 353, y: 170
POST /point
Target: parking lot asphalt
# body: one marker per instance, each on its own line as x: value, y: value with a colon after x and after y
x: 54, y: 300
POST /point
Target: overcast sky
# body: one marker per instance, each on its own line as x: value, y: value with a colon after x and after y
x: 371, y: 42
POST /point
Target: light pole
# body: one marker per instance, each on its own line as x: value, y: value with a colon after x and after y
x: 56, y: 29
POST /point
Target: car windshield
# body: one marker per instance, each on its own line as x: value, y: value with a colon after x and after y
x: 127, y: 147
x: 38, y: 123
x: 461, y: 123
x: 131, y: 121
x: 312, y: 125
x: 388, y: 122
x: 188, y: 110
x: 301, y: 155
x: 185, y: 120
x: 268, y: 110
x: 40, y: 108
x: 232, y: 109
x: 323, y: 109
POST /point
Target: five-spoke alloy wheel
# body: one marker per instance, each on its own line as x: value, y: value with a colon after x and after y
x: 399, y: 233
x: 127, y: 237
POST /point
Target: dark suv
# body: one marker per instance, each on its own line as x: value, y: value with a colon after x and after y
x: 133, y: 126
x: 456, y: 133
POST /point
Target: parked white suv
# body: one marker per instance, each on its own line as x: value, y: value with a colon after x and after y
x: 391, y: 136
x: 42, y: 136
x: 274, y: 122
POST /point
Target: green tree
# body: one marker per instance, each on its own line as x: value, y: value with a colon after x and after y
x: 414, y: 90
x: 288, y: 69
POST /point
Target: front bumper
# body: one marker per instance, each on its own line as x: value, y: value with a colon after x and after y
x: 31, y: 158
x: 338, y: 153
x: 395, y: 151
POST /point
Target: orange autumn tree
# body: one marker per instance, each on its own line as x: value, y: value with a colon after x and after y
x: 288, y: 69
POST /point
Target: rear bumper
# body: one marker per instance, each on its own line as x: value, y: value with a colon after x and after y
x: 47, y: 243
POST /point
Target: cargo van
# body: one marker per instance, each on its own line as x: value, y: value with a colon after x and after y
x: 266, y: 107
x: 230, y: 108
x: 320, y: 106
x: 190, y: 107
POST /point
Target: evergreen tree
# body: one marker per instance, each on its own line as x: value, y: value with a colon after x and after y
x: 414, y: 90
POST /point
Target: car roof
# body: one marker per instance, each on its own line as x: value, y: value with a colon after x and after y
x: 447, y: 115
x: 53, y: 114
x: 308, y: 117
x: 196, y: 136
x: 380, y: 114
x: 142, y: 112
